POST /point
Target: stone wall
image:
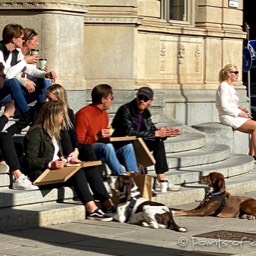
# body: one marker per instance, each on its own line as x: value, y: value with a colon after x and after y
x: 127, y: 44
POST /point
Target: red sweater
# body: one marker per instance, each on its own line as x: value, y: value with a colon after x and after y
x: 90, y: 120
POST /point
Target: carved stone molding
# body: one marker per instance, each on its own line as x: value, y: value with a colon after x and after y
x: 180, y: 53
x: 197, y: 58
x: 162, y: 56
x: 120, y: 20
x: 44, y: 5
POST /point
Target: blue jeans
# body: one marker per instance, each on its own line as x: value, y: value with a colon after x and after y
x: 13, y: 89
x: 111, y: 156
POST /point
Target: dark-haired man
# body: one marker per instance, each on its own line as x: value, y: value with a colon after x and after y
x: 134, y: 119
x: 92, y: 124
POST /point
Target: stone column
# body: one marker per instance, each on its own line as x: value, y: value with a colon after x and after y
x: 60, y: 26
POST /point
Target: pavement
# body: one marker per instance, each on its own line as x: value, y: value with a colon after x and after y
x: 95, y: 238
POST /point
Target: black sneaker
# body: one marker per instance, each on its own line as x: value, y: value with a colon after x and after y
x: 111, y: 210
x: 99, y: 215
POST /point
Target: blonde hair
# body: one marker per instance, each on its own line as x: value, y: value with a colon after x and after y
x: 223, y: 74
x: 48, y: 118
x: 61, y: 96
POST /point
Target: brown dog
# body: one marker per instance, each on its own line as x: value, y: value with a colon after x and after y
x: 220, y: 203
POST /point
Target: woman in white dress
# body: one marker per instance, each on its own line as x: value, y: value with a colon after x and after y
x: 230, y: 113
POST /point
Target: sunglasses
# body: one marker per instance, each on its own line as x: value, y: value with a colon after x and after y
x: 234, y: 72
x: 142, y: 97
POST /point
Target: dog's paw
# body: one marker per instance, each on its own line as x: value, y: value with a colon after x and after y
x: 182, y: 229
x: 153, y: 224
x: 248, y: 217
x: 144, y: 224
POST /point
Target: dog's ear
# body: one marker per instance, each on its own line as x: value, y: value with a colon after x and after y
x: 218, y: 182
x: 129, y: 183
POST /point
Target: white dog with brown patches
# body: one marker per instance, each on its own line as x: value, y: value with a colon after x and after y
x: 134, y: 209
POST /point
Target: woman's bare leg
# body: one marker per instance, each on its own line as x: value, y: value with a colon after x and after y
x: 250, y: 128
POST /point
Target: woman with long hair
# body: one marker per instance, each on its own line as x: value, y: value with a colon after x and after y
x: 43, y: 150
x: 69, y: 141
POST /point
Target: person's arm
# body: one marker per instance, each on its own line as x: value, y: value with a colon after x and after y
x: 225, y: 101
x: 83, y: 129
x: 33, y: 71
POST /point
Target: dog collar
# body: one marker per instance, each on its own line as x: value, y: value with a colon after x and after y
x: 216, y: 193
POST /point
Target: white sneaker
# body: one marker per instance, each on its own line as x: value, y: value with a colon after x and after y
x: 165, y: 186
x: 23, y: 183
x: 4, y: 168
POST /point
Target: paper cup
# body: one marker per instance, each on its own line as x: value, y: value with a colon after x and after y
x: 42, y: 63
x: 34, y: 52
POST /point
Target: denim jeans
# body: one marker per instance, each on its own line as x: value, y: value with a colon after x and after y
x: 13, y: 89
x: 112, y: 157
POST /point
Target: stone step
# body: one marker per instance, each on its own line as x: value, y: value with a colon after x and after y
x: 185, y: 142
x: 11, y: 197
x: 50, y: 213
x: 195, y: 192
x: 236, y: 164
x: 38, y: 215
x: 209, y: 154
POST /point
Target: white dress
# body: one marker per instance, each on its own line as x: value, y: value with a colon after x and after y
x: 227, y: 105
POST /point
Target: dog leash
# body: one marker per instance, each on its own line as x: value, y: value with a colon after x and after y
x: 217, y: 197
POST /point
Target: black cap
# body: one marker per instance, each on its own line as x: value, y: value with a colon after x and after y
x: 146, y: 91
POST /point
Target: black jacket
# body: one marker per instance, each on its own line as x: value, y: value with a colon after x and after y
x: 124, y: 122
x: 39, y: 151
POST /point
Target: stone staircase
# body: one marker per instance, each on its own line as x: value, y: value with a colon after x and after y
x: 189, y: 156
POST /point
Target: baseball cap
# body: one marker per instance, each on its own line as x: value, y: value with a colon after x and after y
x: 146, y: 91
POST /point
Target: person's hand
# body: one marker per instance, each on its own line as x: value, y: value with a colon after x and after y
x: 105, y: 133
x: 74, y: 154
x: 173, y: 131
x: 75, y: 161
x: 30, y: 86
x: 51, y: 75
x: 31, y: 59
x: 245, y: 115
x: 58, y: 164
x: 9, y: 109
x: 162, y: 132
x: 167, y: 132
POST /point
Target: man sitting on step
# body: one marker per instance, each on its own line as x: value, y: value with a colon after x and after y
x: 134, y: 119
x: 92, y: 127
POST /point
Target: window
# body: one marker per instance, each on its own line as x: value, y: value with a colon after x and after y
x: 178, y: 11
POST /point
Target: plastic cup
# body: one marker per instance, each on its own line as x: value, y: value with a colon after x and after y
x: 34, y: 52
x: 42, y: 63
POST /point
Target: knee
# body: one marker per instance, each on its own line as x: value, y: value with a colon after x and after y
x: 128, y: 148
x: 108, y: 147
x: 13, y: 84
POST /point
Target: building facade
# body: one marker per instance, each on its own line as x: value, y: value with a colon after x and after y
x: 177, y: 47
